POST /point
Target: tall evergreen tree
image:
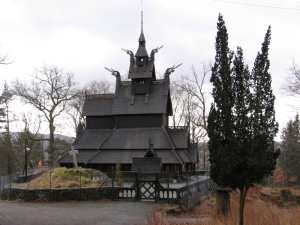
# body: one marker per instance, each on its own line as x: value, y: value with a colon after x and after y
x: 242, y: 128
x: 264, y: 125
x: 220, y: 119
x: 241, y: 123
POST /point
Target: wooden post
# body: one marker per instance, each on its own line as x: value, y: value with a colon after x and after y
x: 138, y: 184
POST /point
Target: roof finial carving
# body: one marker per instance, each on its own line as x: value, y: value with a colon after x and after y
x: 171, y: 70
x: 154, y: 51
x: 113, y: 72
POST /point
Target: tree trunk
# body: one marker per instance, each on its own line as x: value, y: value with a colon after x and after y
x: 51, y: 143
x: 243, y: 193
x: 223, y: 202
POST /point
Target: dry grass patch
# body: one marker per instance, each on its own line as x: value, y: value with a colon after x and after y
x: 264, y: 205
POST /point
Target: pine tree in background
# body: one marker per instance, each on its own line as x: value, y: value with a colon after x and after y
x: 290, y: 154
x: 220, y: 119
x: 6, y: 144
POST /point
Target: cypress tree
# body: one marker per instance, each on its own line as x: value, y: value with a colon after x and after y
x: 243, y: 133
x: 241, y: 122
x: 220, y: 119
x: 264, y: 126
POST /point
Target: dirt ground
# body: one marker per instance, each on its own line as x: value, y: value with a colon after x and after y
x: 80, y: 213
x: 75, y: 213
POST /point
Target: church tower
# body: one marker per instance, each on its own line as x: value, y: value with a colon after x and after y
x: 141, y: 69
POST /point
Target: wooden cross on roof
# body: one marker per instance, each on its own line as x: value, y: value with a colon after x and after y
x: 73, y: 153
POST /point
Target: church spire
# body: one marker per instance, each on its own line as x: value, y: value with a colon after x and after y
x: 142, y: 21
x: 142, y: 51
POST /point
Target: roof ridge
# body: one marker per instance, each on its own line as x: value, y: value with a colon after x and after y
x: 77, y: 138
x: 171, y: 142
x: 177, y: 156
x: 189, y: 155
x: 103, y: 142
x: 97, y: 152
x: 93, y: 96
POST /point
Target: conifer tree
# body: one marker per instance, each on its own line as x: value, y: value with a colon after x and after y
x: 241, y: 123
x: 7, y: 150
x: 220, y: 119
x: 264, y: 127
x: 290, y: 155
x: 242, y: 128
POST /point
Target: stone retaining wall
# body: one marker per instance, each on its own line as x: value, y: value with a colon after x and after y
x: 56, y: 195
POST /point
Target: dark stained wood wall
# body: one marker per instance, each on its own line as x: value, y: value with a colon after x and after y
x: 124, y: 121
x: 97, y: 122
x: 127, y: 121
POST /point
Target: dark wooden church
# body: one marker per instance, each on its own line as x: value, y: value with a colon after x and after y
x: 120, y: 125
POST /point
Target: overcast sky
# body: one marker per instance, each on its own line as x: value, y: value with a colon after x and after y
x: 86, y: 36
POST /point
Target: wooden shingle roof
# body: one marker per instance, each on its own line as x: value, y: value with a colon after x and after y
x: 146, y: 165
x: 83, y: 156
x: 103, y: 105
x: 92, y: 138
x: 136, y: 138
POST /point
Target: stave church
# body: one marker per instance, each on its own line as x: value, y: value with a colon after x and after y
x: 123, y: 125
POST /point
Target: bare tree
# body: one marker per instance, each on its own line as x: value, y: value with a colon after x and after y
x: 291, y: 87
x: 49, y: 91
x: 74, y: 109
x: 190, y: 106
x: 3, y: 59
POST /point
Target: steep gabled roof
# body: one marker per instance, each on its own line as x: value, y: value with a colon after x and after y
x: 136, y: 138
x: 83, y: 156
x: 179, y: 137
x: 98, y: 105
x: 92, y: 138
x: 157, y: 103
x: 105, y: 105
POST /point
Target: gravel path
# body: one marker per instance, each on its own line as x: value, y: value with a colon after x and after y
x: 80, y: 213
x: 75, y: 213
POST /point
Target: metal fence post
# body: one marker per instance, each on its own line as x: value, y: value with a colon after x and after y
x: 168, y: 184
x: 112, y: 182
x: 80, y: 180
x: 138, y: 185
x: 187, y: 192
x: 50, y: 188
x: 10, y: 181
x: 80, y: 185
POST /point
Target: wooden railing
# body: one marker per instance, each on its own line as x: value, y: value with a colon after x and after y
x: 126, y: 193
x: 170, y: 194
